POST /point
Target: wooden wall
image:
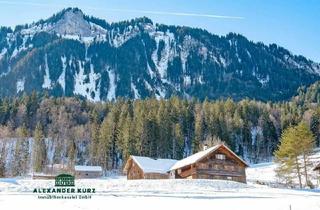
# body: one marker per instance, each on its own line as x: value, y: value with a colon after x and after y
x: 87, y: 174
x: 134, y: 171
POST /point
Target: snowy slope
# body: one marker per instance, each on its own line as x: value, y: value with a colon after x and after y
x: 264, y: 172
x: 160, y: 194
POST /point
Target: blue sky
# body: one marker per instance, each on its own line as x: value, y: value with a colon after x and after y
x: 293, y: 24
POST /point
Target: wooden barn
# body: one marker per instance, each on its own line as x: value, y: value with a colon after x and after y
x: 87, y: 172
x: 217, y: 162
x: 138, y: 167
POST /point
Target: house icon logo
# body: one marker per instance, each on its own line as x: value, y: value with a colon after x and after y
x: 64, y: 180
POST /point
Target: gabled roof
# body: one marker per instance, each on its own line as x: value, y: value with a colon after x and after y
x: 317, y: 167
x: 150, y: 165
x: 88, y: 168
x: 200, y: 155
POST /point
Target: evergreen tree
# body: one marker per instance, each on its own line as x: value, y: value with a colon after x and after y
x: 295, y: 141
x: 39, y: 149
x: 199, y: 129
x: 3, y: 162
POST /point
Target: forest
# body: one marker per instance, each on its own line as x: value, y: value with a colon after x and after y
x: 36, y: 130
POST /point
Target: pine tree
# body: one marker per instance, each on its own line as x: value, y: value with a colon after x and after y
x: 72, y: 153
x: 306, y: 145
x: 94, y: 132
x: 295, y: 141
x: 39, y: 149
x: 3, y: 162
x: 199, y: 129
x: 105, y: 141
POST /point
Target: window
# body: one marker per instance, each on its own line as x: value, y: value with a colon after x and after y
x: 220, y: 156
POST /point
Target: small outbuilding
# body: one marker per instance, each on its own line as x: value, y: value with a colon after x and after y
x: 138, y: 167
x: 217, y: 162
x: 87, y: 172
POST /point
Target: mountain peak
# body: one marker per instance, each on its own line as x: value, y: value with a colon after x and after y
x: 72, y: 21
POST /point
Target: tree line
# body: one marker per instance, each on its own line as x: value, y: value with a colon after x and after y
x: 36, y: 130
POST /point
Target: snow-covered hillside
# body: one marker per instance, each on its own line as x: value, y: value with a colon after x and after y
x: 160, y: 194
x: 264, y: 173
x: 72, y: 54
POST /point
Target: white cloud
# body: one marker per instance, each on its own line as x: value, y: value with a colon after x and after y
x: 186, y: 14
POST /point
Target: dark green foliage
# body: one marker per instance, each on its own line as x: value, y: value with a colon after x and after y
x: 106, y: 134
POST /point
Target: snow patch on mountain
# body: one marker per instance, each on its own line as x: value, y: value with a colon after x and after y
x: 119, y: 39
x: 20, y: 85
x: 135, y: 90
x: 112, y: 85
x: 73, y: 23
x: 3, y: 52
x: 46, y: 79
x: 62, y: 77
x: 187, y: 80
x: 86, y: 85
x: 167, y: 52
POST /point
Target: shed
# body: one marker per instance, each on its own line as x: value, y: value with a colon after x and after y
x: 138, y: 167
x: 87, y: 171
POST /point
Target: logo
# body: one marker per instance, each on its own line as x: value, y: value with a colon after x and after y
x: 64, y: 180
x: 64, y: 188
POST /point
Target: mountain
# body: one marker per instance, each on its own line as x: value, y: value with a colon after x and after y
x: 71, y: 54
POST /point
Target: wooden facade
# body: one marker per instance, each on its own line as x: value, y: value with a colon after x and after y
x: 87, y: 172
x: 221, y: 163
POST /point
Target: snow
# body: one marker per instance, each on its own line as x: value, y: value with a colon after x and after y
x: 187, y: 80
x: 46, y: 78
x: 148, y: 86
x: 3, y: 52
x: 20, y: 85
x: 120, y: 193
x: 161, y: 93
x: 112, y: 85
x: 119, y: 39
x: 149, y: 165
x: 135, y: 91
x: 193, y: 158
x: 62, y: 77
x: 255, y: 133
x: 88, y: 168
x: 265, y: 172
x: 166, y: 53
x: 84, y: 88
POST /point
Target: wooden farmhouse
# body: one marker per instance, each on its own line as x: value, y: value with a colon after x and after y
x: 138, y: 167
x: 87, y: 172
x: 217, y: 162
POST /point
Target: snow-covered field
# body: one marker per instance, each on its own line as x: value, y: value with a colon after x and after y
x: 118, y: 192
x: 159, y: 194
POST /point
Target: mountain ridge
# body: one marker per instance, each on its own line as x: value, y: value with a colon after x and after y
x: 71, y: 54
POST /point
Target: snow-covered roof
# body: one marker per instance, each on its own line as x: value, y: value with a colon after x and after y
x: 88, y: 168
x: 149, y: 165
x: 198, y: 156
x: 193, y: 158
